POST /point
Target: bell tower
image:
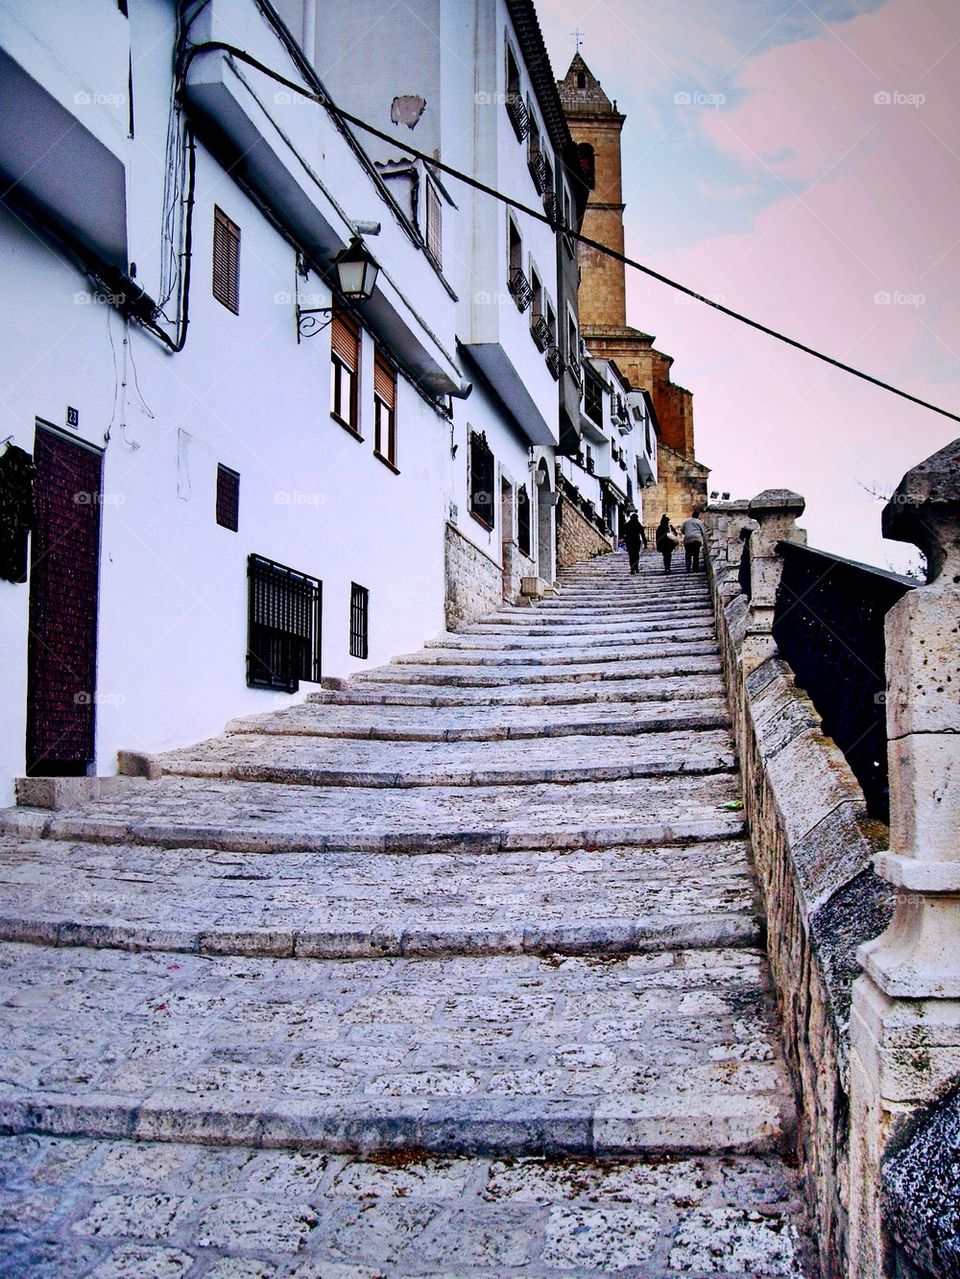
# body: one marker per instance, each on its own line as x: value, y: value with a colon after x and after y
x: 595, y: 124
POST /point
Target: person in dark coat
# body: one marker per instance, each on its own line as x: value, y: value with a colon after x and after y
x: 667, y: 539
x: 635, y: 538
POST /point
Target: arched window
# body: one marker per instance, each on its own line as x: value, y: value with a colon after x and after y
x: 587, y: 163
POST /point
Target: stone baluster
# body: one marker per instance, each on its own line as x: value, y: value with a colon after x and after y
x: 776, y: 512
x: 905, y: 1024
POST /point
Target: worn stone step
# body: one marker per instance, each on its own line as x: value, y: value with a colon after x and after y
x: 313, y: 761
x: 348, y: 905
x: 80, y: 1208
x: 524, y: 622
x: 671, y: 1052
x: 551, y: 653
x: 267, y: 817
x: 652, y: 686
x: 694, y: 657
x: 532, y: 638
x: 489, y: 723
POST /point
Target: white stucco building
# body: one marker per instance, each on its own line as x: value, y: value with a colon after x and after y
x: 238, y: 490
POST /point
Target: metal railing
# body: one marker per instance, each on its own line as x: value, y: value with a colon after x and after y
x: 828, y: 625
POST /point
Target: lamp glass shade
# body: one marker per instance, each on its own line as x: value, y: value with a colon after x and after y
x: 356, y: 271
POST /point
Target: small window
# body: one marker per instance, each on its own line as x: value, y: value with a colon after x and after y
x: 385, y: 410
x: 345, y: 371
x: 434, y: 225
x: 581, y: 79
x: 523, y: 520
x: 228, y: 498
x: 226, y: 261
x: 482, y: 469
x: 283, y: 627
x: 588, y: 163
x: 359, y: 624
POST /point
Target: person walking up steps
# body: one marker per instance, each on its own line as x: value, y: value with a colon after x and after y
x: 634, y: 537
x: 694, y: 539
x: 667, y: 539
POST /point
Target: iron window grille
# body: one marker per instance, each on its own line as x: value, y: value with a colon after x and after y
x: 555, y: 362
x: 523, y: 520
x: 575, y: 371
x: 519, y: 118
x: 226, y: 261
x: 285, y: 613
x: 482, y: 468
x: 538, y: 170
x: 550, y: 205
x: 520, y: 289
x: 228, y: 498
x: 359, y: 620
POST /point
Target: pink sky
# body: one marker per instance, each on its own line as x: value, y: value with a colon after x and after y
x: 803, y: 201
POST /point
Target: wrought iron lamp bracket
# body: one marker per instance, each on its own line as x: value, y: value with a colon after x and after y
x: 308, y: 325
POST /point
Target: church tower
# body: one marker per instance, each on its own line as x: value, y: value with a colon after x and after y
x: 596, y: 124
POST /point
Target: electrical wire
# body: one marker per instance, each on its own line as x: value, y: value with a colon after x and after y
x: 539, y: 216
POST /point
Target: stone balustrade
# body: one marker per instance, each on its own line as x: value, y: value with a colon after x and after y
x: 875, y: 1057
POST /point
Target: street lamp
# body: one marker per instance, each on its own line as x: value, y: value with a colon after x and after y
x: 357, y: 274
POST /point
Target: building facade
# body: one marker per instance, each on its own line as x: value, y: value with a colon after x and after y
x: 243, y: 478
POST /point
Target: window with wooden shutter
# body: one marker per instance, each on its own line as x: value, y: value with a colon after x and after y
x: 434, y: 225
x: 385, y: 410
x: 226, y: 261
x: 345, y: 371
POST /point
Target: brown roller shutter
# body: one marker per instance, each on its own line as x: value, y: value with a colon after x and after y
x: 384, y: 382
x: 345, y: 341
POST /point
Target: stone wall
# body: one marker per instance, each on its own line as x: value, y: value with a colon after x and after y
x: 577, y: 538
x: 812, y: 846
x: 681, y: 486
x: 474, y: 581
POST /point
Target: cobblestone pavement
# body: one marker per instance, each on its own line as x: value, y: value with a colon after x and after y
x: 453, y: 970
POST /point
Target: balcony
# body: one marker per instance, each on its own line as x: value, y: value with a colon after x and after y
x: 540, y: 332
x: 519, y: 118
x: 538, y: 170
x: 520, y: 289
x: 555, y: 363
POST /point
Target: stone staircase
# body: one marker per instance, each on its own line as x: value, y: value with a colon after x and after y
x: 453, y: 970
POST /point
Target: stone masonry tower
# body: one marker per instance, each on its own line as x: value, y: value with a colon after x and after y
x: 595, y: 124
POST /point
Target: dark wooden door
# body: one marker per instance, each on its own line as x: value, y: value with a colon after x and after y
x: 64, y: 579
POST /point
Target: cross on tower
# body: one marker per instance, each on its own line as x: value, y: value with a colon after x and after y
x: 578, y: 36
